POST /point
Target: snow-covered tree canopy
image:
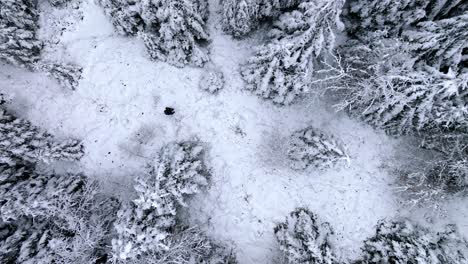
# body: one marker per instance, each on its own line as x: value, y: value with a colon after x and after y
x: 405, y: 242
x: 19, y: 139
x: 18, y: 26
x: 173, y: 31
x: 240, y: 17
x: 394, y: 95
x: 283, y: 69
x: 303, y: 239
x: 146, y: 224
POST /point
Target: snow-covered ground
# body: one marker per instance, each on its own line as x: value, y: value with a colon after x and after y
x: 118, y: 111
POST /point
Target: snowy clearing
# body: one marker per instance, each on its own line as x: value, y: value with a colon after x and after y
x: 118, y: 112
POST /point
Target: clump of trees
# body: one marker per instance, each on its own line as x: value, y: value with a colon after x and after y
x: 304, y: 238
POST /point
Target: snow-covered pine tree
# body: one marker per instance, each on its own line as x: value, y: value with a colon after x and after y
x: 181, y: 169
x: 384, y: 15
x: 25, y: 241
x: 392, y: 95
x: 20, y: 139
x: 441, y: 44
x: 175, y: 31
x: 282, y: 69
x: 172, y: 30
x: 309, y: 147
x: 125, y: 15
x: 405, y: 242
x: 67, y: 75
x: 75, y: 220
x: 240, y: 17
x: 189, y: 245
x: 145, y: 226
x: 27, y: 193
x: 18, y: 25
x: 304, y: 239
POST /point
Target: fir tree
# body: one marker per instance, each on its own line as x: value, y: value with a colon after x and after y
x: 125, y: 15
x: 441, y: 44
x: 58, y: 3
x: 147, y: 223
x: 25, y: 241
x: 393, y: 95
x: 70, y: 219
x: 241, y: 17
x: 18, y: 26
x: 303, y: 239
x: 405, y: 242
x: 20, y: 139
x: 384, y: 15
x: 308, y: 147
x: 67, y: 75
x: 175, y: 32
x: 282, y: 70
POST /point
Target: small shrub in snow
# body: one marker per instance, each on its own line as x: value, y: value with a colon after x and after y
x: 405, y: 242
x: 20, y: 139
x: 282, y: 70
x: 212, y: 81
x: 145, y: 226
x: 18, y: 26
x: 67, y: 75
x: 303, y: 239
x: 308, y: 147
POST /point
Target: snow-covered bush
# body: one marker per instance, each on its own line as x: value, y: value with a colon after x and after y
x: 441, y: 44
x: 405, y: 242
x: 211, y: 81
x: 146, y: 224
x: 304, y: 239
x: 309, y: 147
x: 67, y: 75
x: 282, y: 70
x: 173, y: 31
x: 18, y: 26
x: 20, y: 139
x: 240, y: 17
